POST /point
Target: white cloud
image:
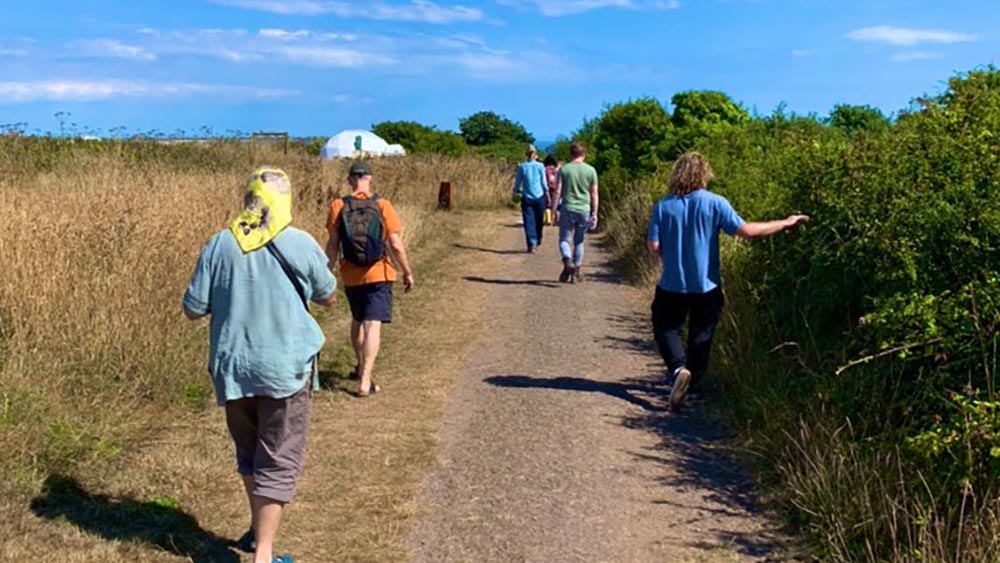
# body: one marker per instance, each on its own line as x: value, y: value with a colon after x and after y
x: 112, y: 48
x: 13, y: 52
x: 910, y: 56
x: 283, y: 34
x: 90, y: 90
x: 908, y: 37
x: 424, y: 11
x: 556, y: 8
x: 332, y: 57
x: 306, y: 47
x: 457, y: 56
x: 286, y: 7
x: 800, y: 53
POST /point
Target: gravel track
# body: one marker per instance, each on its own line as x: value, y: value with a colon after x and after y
x: 557, y: 445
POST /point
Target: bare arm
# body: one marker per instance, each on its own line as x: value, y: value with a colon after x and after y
x: 329, y: 301
x: 333, y: 248
x: 556, y: 193
x: 594, y: 200
x: 768, y: 228
x: 399, y: 255
x: 191, y: 316
x: 333, y: 255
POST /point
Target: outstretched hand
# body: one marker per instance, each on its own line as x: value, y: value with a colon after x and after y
x: 795, y: 221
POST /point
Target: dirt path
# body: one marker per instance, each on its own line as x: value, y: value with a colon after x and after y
x: 557, y: 445
x: 530, y: 413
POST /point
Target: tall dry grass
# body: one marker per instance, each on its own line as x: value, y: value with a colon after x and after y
x: 96, y: 250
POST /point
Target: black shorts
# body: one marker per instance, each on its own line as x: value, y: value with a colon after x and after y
x: 371, y: 302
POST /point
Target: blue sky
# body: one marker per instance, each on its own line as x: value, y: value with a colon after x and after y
x: 314, y: 67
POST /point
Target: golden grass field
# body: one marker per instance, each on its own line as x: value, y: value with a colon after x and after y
x: 101, y: 375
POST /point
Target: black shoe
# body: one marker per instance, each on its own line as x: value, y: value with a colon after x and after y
x: 567, y: 272
x: 247, y: 542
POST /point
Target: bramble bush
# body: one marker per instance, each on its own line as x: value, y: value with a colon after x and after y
x: 859, y: 354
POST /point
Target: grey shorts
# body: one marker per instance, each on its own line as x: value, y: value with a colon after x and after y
x: 270, y: 436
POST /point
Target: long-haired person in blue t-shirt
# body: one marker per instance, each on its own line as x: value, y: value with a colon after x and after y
x: 684, y: 233
x: 532, y: 191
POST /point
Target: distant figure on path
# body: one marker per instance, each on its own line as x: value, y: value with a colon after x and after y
x: 255, y: 279
x: 531, y: 189
x: 552, y: 165
x: 578, y: 188
x: 684, y: 233
x: 364, y: 232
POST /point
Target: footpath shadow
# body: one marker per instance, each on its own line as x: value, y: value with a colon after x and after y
x: 625, y: 391
x: 538, y: 283
x: 697, y: 453
x: 484, y: 249
x: 159, y: 524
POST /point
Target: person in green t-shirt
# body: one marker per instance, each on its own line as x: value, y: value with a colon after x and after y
x: 577, y: 186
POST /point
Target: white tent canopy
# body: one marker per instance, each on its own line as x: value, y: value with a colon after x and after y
x: 356, y: 142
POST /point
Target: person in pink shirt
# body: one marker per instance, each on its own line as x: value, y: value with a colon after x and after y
x: 552, y: 178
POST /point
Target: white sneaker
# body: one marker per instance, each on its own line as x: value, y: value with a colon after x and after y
x: 678, y: 391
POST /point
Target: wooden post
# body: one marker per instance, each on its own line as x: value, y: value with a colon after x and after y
x: 444, y: 196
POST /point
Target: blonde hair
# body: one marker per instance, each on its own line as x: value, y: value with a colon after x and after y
x: 691, y: 173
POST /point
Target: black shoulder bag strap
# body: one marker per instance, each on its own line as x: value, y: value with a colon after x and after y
x: 273, y: 249
x: 288, y: 272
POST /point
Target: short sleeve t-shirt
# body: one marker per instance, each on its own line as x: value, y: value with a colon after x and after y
x: 383, y: 270
x: 262, y: 340
x: 530, y: 179
x: 576, y: 179
x: 687, y: 228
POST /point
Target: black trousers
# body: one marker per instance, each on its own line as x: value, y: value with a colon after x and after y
x: 701, y: 312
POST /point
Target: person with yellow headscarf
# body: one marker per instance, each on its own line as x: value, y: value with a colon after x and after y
x: 255, y: 280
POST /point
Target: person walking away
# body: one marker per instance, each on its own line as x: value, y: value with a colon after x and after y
x: 364, y: 233
x: 684, y: 234
x: 530, y: 188
x: 551, y: 181
x: 577, y: 186
x: 255, y: 280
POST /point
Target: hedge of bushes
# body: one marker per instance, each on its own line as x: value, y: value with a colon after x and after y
x: 859, y: 356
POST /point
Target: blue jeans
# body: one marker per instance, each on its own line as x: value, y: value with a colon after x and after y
x: 573, y: 226
x: 533, y: 212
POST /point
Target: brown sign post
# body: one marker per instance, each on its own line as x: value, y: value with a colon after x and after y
x: 444, y: 196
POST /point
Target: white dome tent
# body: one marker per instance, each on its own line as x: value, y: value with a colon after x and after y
x: 357, y: 143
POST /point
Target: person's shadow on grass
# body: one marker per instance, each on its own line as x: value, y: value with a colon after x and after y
x: 158, y: 523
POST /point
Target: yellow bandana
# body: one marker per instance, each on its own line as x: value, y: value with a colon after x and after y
x: 267, y: 209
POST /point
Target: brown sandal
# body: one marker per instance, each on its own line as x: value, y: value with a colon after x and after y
x: 373, y: 390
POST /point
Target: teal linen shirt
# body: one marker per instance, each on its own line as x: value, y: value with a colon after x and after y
x: 262, y: 340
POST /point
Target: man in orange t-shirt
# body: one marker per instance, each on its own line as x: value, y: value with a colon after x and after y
x: 368, y: 288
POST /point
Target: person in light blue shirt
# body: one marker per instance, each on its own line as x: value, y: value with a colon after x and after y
x: 684, y: 232
x: 255, y: 280
x: 531, y: 189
